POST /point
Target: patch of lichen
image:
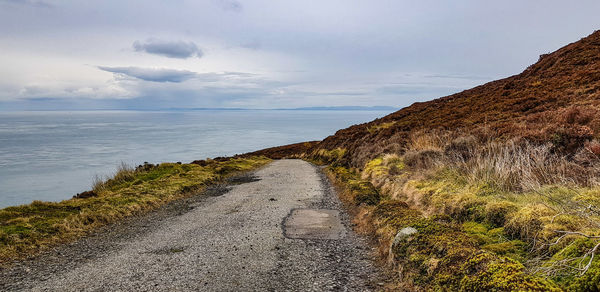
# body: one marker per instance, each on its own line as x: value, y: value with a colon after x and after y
x: 27, y: 229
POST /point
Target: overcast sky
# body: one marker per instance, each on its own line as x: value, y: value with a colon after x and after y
x: 269, y: 54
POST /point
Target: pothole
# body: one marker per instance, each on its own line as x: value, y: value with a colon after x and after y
x: 314, y: 224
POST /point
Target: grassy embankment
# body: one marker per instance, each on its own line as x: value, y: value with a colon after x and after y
x: 503, y: 215
x: 26, y: 230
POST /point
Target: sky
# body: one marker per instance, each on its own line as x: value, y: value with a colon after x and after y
x: 158, y: 54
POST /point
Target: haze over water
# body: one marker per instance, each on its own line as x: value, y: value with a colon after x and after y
x: 51, y: 156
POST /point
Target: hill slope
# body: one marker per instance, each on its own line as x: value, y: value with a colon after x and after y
x: 495, y: 188
x: 528, y: 104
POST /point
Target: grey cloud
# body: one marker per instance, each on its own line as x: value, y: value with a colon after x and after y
x: 33, y: 3
x: 229, y: 5
x: 150, y: 74
x: 179, y: 49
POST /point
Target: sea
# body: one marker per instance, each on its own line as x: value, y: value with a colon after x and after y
x: 53, y: 155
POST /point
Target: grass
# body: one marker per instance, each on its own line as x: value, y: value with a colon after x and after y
x: 443, y: 255
x: 510, y: 168
x: 28, y: 229
x: 481, y: 206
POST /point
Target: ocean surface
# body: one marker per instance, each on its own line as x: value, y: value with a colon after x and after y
x: 51, y: 156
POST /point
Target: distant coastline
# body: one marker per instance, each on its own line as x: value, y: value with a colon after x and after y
x: 316, y: 108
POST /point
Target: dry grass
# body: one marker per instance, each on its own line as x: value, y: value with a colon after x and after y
x: 532, y: 193
x: 123, y: 173
x: 523, y: 166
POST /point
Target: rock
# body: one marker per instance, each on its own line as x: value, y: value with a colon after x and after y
x: 402, y: 235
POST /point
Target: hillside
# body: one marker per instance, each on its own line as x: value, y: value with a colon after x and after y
x: 496, y: 188
x: 528, y: 104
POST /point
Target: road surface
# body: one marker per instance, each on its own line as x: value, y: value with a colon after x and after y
x: 280, y: 228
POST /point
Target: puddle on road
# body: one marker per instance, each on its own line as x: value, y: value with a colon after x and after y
x: 314, y: 224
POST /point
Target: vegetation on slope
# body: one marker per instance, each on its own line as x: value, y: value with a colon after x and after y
x: 441, y: 254
x: 488, y: 215
x: 27, y: 229
x: 500, y: 182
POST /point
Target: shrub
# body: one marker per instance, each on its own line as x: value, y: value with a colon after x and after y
x: 422, y: 159
x: 461, y: 148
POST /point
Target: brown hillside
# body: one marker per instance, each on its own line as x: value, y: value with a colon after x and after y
x: 559, y: 96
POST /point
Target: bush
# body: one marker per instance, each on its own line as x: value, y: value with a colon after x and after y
x: 461, y: 148
x: 422, y: 159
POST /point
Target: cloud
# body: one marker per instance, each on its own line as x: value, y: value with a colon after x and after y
x: 253, y: 45
x: 179, y: 49
x: 33, y: 3
x: 229, y: 5
x: 152, y: 74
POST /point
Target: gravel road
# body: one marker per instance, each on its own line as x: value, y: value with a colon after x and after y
x: 228, y: 238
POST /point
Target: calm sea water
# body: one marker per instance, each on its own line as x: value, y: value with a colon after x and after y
x: 51, y: 156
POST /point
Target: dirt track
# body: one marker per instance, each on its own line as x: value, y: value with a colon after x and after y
x: 226, y: 239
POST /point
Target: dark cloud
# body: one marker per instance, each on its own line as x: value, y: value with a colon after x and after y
x: 230, y: 5
x: 150, y: 74
x: 180, y: 49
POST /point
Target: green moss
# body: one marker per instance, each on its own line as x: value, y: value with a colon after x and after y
x: 474, y: 228
x: 590, y: 281
x: 362, y: 191
x: 496, y: 213
x: 487, y: 272
x: 397, y: 214
x: 460, y: 248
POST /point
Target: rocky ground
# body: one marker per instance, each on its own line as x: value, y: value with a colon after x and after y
x: 228, y: 238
